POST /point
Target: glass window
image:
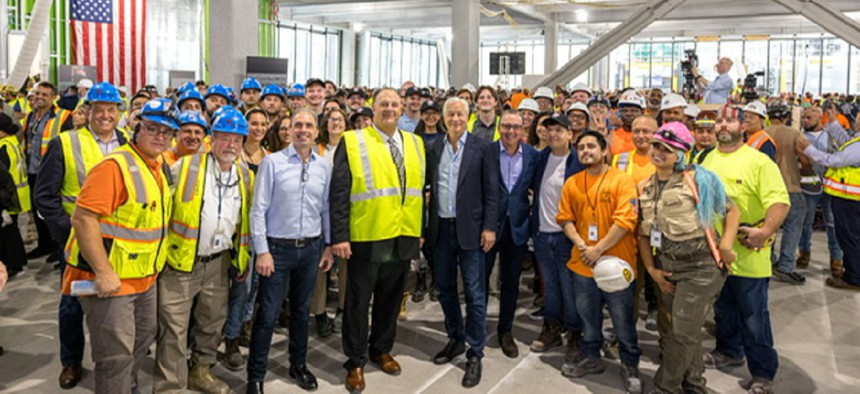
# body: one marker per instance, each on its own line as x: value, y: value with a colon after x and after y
x: 808, y: 61
x: 301, y: 58
x: 834, y: 76
x: 333, y: 60
x: 373, y: 66
x: 316, y: 68
x: 640, y: 65
x: 286, y: 49
x: 708, y: 57
x: 755, y: 60
x: 661, y: 66
x: 854, y: 73
x: 619, y: 66
x: 781, y: 66
x: 679, y: 55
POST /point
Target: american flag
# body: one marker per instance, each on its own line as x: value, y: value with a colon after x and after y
x: 111, y: 35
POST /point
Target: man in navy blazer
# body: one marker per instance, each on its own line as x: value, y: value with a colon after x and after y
x: 517, y: 164
x: 462, y: 172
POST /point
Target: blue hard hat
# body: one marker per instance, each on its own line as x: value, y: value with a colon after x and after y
x: 105, y: 93
x: 229, y: 120
x: 192, y: 94
x: 185, y: 87
x: 298, y: 90
x: 160, y: 110
x: 193, y: 117
x: 219, y: 90
x: 232, y: 96
x: 272, y: 89
x: 251, y: 83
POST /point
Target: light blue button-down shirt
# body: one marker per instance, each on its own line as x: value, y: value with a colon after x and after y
x: 717, y: 92
x: 406, y: 123
x: 109, y: 146
x: 449, y: 173
x: 511, y: 166
x: 285, y: 206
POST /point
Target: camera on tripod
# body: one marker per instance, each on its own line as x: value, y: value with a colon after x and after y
x: 691, y: 61
x: 750, y: 88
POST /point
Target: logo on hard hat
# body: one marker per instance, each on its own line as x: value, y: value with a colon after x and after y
x: 628, y: 275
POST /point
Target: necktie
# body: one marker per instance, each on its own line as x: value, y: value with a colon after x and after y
x: 398, y: 161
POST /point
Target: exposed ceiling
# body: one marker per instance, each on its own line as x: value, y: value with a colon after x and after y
x: 580, y: 20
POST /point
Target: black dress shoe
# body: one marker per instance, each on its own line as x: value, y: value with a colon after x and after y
x: 303, y: 377
x: 473, y: 372
x: 38, y: 252
x: 254, y: 388
x: 509, y: 347
x: 453, y: 349
x: 52, y: 257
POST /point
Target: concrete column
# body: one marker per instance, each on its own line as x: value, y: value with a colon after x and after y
x: 466, y: 29
x: 233, y: 35
x: 362, y: 68
x: 600, y: 74
x: 348, y: 55
x: 550, y: 47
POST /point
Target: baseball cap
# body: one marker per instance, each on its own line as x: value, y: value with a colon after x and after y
x: 728, y: 111
x: 363, y: 111
x: 430, y: 104
x: 314, y: 81
x: 412, y: 90
x: 557, y: 119
x: 358, y: 91
x: 674, y: 135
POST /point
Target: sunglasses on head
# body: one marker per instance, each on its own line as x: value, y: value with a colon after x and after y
x: 670, y: 136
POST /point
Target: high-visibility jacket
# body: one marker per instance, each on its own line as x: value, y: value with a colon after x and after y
x: 471, y: 125
x: 756, y: 140
x: 52, y: 127
x: 378, y: 209
x: 624, y: 161
x: 843, y: 182
x: 184, y: 231
x: 18, y: 170
x: 135, y: 234
x: 81, y: 153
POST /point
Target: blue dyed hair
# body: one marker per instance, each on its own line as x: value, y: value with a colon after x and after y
x: 712, y: 193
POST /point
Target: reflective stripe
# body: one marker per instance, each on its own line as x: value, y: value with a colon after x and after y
x: 136, y: 177
x: 814, y: 180
x: 22, y: 185
x: 116, y: 231
x: 760, y: 140
x: 365, y: 161
x: 244, y: 240
x: 246, y: 176
x: 78, y: 154
x: 421, y: 157
x: 184, y: 230
x: 69, y: 199
x: 388, y: 192
x: 842, y: 187
x: 622, y: 161
x: 191, y: 178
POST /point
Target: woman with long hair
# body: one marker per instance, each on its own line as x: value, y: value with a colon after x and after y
x: 681, y: 207
x: 333, y: 124
x: 253, y: 151
x: 536, y: 133
x: 430, y: 126
x: 277, y: 137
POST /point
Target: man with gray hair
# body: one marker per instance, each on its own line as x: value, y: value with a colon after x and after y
x: 718, y: 90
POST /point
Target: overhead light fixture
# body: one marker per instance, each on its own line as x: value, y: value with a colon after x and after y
x: 581, y: 16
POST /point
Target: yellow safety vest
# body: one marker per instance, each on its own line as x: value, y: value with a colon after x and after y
x: 136, y: 233
x: 623, y: 161
x: 474, y: 118
x: 18, y: 170
x: 184, y: 231
x: 378, y: 210
x: 52, y: 127
x: 843, y: 182
x: 81, y: 153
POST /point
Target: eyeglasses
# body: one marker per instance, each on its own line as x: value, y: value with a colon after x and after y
x: 506, y: 126
x: 305, y: 175
x: 156, y: 130
x: 658, y: 147
x: 666, y: 134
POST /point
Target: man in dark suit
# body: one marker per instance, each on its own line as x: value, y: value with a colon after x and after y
x: 462, y: 172
x: 377, y: 207
x: 517, y: 163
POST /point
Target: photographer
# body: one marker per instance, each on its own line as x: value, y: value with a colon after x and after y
x: 718, y: 90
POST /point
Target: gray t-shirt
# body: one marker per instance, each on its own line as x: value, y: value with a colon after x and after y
x: 550, y: 193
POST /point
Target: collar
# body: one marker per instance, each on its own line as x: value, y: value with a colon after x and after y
x: 460, y: 141
x: 293, y: 154
x: 113, y: 137
x: 151, y: 163
x: 505, y: 151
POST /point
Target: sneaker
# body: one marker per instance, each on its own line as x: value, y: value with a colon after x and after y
x: 632, y: 381
x: 582, y: 365
x: 760, y: 385
x: 789, y: 277
x: 718, y: 360
x: 803, y: 258
x: 651, y: 321
x: 550, y: 337
x: 537, y: 314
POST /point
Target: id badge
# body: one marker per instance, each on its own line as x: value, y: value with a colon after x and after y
x: 656, y: 239
x: 220, y: 239
x: 592, y: 233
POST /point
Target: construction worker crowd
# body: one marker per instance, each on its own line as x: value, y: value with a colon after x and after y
x: 208, y: 216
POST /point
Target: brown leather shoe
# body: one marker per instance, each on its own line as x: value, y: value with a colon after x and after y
x: 837, y: 267
x: 70, y: 376
x: 355, y: 380
x: 387, y: 363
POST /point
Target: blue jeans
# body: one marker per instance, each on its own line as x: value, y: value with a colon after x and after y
x: 450, y: 256
x: 71, y: 324
x: 812, y: 201
x: 295, y: 274
x: 237, y: 304
x: 552, y: 252
x: 511, y: 258
x: 791, y: 230
x: 743, y: 325
x: 589, y: 303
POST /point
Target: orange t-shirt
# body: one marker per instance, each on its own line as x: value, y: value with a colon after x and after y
x: 103, y: 192
x: 610, y: 199
x: 622, y: 141
x: 841, y: 119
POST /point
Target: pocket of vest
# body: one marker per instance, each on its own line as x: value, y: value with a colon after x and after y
x: 130, y: 261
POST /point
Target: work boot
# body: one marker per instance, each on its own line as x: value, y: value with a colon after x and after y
x: 836, y: 268
x: 323, y: 325
x: 550, y: 336
x: 233, y: 358
x: 573, y: 344
x: 403, y: 315
x: 420, y: 287
x: 803, y: 258
x: 245, y: 336
x: 201, y: 379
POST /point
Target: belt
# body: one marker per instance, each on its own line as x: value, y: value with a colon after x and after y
x: 206, y: 259
x: 697, y: 255
x: 298, y: 243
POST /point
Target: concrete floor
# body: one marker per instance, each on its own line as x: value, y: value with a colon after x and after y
x: 814, y: 327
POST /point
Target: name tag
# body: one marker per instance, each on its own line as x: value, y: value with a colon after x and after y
x: 656, y: 239
x: 592, y: 233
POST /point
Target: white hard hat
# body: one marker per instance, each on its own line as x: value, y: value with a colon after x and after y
x: 757, y: 108
x: 581, y: 87
x: 692, y: 110
x: 631, y: 98
x: 577, y: 106
x: 468, y: 86
x: 85, y: 83
x: 613, y: 274
x: 544, y: 92
x: 529, y: 104
x: 673, y: 100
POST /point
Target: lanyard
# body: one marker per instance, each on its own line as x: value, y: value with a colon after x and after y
x: 591, y: 205
x: 222, y: 186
